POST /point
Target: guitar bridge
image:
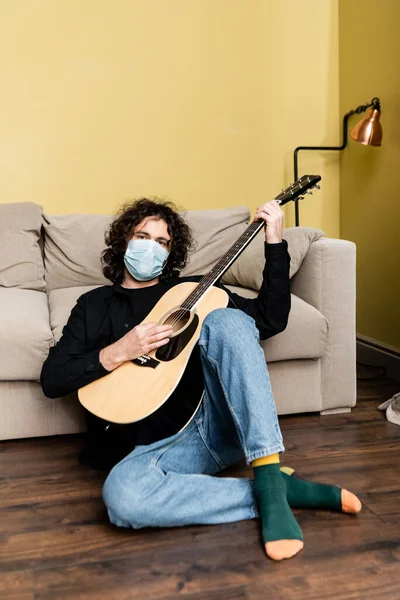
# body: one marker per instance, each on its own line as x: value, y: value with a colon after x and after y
x: 146, y: 361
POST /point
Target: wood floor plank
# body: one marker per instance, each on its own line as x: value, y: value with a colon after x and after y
x: 41, y: 455
x: 370, y: 583
x: 55, y: 487
x: 56, y: 542
x: 16, y: 586
x: 198, y: 568
x: 117, y: 579
x: 343, y: 435
x: 227, y: 592
x: 385, y: 504
x: 76, y: 544
x: 42, y: 516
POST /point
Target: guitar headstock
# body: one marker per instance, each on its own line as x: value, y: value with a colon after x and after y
x: 304, y: 185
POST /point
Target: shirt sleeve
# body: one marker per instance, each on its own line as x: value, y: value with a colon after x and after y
x: 69, y: 366
x: 271, y: 308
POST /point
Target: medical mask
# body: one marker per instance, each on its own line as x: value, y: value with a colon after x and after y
x: 145, y: 259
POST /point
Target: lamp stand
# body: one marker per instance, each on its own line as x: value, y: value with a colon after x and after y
x: 360, y: 109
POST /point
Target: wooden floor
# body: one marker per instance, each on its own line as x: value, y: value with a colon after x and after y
x: 56, y: 543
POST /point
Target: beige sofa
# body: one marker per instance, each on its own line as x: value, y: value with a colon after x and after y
x: 47, y: 262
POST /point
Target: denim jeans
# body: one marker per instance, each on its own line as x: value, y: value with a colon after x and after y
x: 172, y: 482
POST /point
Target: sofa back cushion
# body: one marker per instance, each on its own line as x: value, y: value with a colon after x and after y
x: 72, y: 249
x: 74, y: 243
x: 215, y: 231
x: 247, y: 270
x: 21, y: 263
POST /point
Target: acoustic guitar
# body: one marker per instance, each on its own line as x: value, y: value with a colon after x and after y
x: 154, y: 376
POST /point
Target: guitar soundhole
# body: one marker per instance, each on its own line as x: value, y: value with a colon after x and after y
x: 181, y: 338
x: 178, y: 319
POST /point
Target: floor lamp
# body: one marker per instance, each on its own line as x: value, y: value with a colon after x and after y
x: 368, y: 131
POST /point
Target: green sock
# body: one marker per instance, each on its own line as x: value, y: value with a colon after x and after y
x: 301, y: 493
x: 278, y: 522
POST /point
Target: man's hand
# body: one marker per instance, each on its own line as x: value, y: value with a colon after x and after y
x: 273, y: 215
x: 142, y: 339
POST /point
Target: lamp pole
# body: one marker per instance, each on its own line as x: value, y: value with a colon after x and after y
x: 360, y: 109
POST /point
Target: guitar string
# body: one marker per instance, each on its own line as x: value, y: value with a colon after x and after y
x: 206, y: 281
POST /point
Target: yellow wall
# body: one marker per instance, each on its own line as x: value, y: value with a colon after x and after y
x: 370, y: 196
x: 201, y: 101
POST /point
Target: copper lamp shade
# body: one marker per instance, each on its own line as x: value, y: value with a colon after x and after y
x: 369, y: 130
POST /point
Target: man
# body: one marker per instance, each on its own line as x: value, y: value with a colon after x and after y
x: 164, y: 467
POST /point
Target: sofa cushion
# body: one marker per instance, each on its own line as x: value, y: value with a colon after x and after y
x: 247, y: 270
x: 21, y: 263
x: 25, y: 334
x: 61, y: 302
x: 215, y: 231
x: 74, y: 243
x: 304, y: 337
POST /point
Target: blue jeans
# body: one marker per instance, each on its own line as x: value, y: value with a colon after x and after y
x: 172, y: 482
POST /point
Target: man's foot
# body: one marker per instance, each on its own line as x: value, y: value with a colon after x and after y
x: 283, y: 549
x: 281, y: 533
x: 302, y: 493
x: 350, y: 503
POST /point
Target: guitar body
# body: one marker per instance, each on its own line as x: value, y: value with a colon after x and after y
x: 134, y: 391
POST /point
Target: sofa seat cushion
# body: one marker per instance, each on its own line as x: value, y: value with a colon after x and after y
x: 25, y: 334
x: 304, y: 337
x: 61, y: 302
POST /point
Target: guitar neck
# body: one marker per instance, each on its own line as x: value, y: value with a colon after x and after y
x: 223, y: 264
x: 302, y: 185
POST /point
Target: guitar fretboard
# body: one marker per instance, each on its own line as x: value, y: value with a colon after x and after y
x: 222, y: 265
x: 290, y: 193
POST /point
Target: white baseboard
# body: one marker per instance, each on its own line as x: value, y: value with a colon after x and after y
x: 375, y: 353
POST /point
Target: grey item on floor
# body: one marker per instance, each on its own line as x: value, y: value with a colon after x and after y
x: 392, y: 408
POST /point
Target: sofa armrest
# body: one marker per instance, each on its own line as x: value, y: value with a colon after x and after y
x: 326, y: 280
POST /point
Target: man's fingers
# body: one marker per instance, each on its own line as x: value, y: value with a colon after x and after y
x: 161, y: 335
x: 152, y: 328
x: 160, y: 328
x: 155, y: 345
x: 273, y: 204
x: 268, y: 216
x: 269, y: 210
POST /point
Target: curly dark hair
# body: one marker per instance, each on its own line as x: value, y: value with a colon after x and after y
x: 121, y: 231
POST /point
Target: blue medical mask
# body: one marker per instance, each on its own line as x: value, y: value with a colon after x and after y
x: 145, y: 259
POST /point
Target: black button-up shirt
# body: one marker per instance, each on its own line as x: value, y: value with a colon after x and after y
x: 105, y: 314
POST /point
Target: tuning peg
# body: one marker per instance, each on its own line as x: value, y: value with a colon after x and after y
x: 317, y: 186
x: 309, y: 192
x: 300, y: 197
